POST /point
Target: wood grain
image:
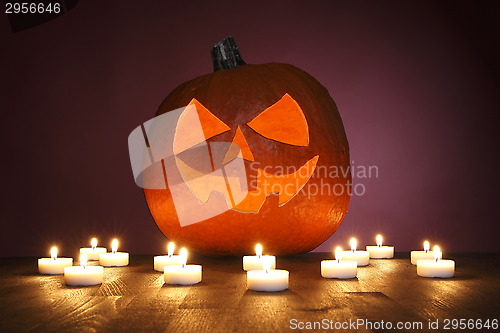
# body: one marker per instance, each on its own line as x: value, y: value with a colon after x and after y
x: 134, y: 298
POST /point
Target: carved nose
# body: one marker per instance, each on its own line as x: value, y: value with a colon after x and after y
x: 239, y: 139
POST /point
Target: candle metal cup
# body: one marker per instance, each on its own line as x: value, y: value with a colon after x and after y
x: 83, y: 276
x: 334, y: 269
x: 52, y: 266
x: 251, y: 263
x: 433, y: 268
x: 380, y: 252
x: 161, y: 261
x: 93, y: 253
x: 362, y: 258
x: 421, y: 255
x: 182, y: 274
x: 271, y: 280
x: 113, y: 259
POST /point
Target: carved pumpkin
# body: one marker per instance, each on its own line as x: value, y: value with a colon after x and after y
x: 291, y: 139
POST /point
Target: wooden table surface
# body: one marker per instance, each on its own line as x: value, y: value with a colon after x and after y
x: 134, y: 298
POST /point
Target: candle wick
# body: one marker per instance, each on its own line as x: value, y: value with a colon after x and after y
x: 338, y: 261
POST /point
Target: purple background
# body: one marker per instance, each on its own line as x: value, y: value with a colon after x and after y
x: 416, y: 83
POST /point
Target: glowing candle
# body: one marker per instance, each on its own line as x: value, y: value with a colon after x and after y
x: 267, y: 279
x: 182, y: 274
x: 361, y: 257
x: 53, y: 265
x: 83, y: 275
x: 161, y: 261
x: 256, y: 261
x: 337, y: 268
x: 421, y: 255
x: 436, y: 267
x: 379, y: 251
x: 93, y: 251
x: 113, y: 258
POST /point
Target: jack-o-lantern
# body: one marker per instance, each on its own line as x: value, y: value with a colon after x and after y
x: 295, y: 152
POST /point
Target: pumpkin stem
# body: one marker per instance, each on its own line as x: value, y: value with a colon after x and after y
x: 225, y: 54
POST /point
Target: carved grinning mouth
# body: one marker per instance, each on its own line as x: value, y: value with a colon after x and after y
x: 202, y: 180
x: 285, y: 186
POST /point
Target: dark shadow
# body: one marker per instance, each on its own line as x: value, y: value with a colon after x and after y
x: 354, y: 279
x: 96, y: 287
x: 286, y: 292
x: 182, y: 286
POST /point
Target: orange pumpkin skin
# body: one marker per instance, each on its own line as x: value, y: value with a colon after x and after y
x: 236, y: 96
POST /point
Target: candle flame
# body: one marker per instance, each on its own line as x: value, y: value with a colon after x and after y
x: 184, y: 256
x: 266, y: 264
x: 171, y: 247
x: 353, y: 244
x: 53, y: 253
x: 114, y: 245
x: 258, y: 250
x: 83, y: 260
x: 93, y: 243
x: 338, y: 253
x: 379, y: 240
x: 427, y: 246
x: 437, y: 253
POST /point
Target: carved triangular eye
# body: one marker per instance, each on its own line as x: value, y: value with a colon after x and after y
x: 209, y: 122
x: 195, y: 125
x: 284, y: 121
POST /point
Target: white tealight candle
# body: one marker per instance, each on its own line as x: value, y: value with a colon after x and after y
x: 379, y: 251
x: 256, y: 262
x: 361, y: 257
x: 93, y: 251
x: 113, y: 258
x: 182, y: 274
x: 437, y: 267
x: 161, y: 261
x: 53, y: 265
x: 426, y: 254
x: 83, y: 275
x: 338, y: 269
x: 267, y: 279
